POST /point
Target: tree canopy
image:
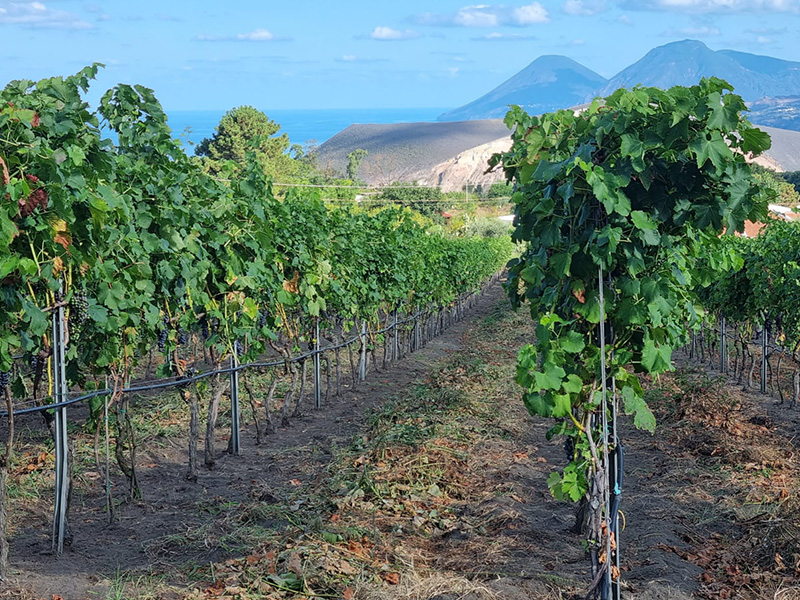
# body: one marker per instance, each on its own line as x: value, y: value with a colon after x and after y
x: 246, y: 129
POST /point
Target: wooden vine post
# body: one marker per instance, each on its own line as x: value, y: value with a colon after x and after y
x: 635, y: 188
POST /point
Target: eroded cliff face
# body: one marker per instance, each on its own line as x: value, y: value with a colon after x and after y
x: 470, y: 165
x: 467, y: 167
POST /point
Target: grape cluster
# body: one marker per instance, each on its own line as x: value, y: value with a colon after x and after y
x: 569, y: 448
x: 262, y: 318
x: 34, y: 363
x: 204, y: 328
x: 182, y: 337
x: 187, y: 374
x: 162, y: 334
x: 78, y: 309
x: 238, y: 348
x: 5, y: 379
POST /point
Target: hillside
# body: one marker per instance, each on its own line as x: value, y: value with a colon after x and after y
x: 450, y: 154
x: 686, y: 62
x: 785, y: 149
x: 770, y: 85
x: 466, y: 167
x: 549, y: 83
x: 397, y: 151
x: 782, y: 112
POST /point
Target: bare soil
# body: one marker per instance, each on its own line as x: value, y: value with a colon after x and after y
x: 464, y: 513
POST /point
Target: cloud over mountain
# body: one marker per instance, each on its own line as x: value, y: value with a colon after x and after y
x: 38, y: 15
x: 487, y: 15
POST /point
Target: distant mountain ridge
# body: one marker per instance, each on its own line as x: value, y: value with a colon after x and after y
x: 684, y: 63
x: 550, y: 82
x: 554, y: 82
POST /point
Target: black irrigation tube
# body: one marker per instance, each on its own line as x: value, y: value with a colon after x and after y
x: 229, y: 370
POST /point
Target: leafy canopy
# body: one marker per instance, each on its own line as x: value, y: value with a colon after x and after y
x: 246, y: 129
x: 639, y: 186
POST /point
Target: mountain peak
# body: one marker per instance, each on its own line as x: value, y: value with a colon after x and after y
x: 686, y: 62
x: 548, y: 83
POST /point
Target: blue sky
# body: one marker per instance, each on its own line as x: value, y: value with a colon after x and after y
x: 283, y: 54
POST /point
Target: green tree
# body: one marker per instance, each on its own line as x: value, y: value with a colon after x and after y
x: 792, y: 177
x: 784, y: 192
x: 354, y: 162
x: 245, y: 129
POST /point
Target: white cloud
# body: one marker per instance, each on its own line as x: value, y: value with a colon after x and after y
x: 583, y: 8
x: 488, y: 15
x: 703, y: 31
x: 258, y: 35
x: 762, y: 39
x: 36, y: 14
x: 349, y: 58
x: 530, y: 14
x: 624, y: 19
x: 387, y: 34
x: 476, y: 16
x: 714, y: 6
x: 496, y: 36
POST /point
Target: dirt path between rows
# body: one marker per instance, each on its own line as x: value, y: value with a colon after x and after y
x: 506, y: 532
x: 173, y: 507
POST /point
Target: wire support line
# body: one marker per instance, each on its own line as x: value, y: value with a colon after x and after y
x: 175, y: 381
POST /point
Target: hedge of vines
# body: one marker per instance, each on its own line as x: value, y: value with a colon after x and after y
x: 143, y: 247
x: 142, y: 234
x: 762, y: 290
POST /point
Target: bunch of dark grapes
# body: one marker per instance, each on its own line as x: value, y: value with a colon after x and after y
x: 34, y: 362
x: 187, y: 374
x: 238, y: 348
x: 204, y: 328
x: 569, y: 448
x: 78, y: 309
x: 162, y: 335
x: 262, y: 318
x: 59, y: 296
x: 768, y: 324
x: 5, y: 379
x: 182, y: 337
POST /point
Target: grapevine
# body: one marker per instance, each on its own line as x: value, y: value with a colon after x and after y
x: 627, y: 195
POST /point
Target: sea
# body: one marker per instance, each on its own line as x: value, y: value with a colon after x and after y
x: 304, y: 126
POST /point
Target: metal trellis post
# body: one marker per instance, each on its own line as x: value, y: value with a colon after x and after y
x: 60, y: 392
x: 362, y: 366
x: 394, y: 337
x: 723, y: 350
x: 317, y: 369
x: 764, y: 346
x: 236, y: 436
